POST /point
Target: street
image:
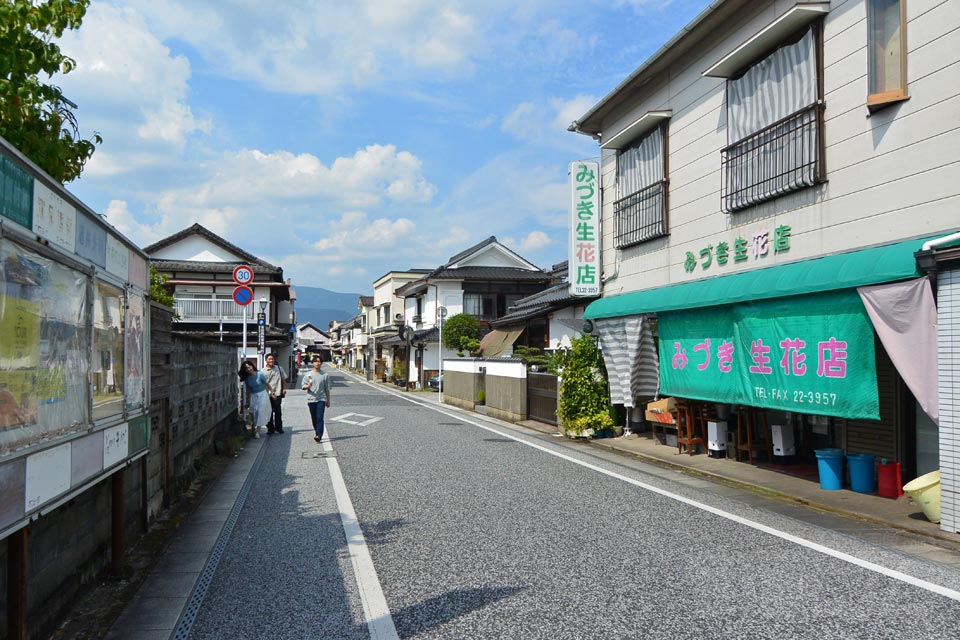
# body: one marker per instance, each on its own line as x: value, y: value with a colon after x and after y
x: 472, y: 529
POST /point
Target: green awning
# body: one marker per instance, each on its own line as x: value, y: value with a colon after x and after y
x: 887, y: 263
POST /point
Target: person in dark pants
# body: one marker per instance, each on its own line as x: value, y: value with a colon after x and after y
x: 277, y: 388
x: 317, y: 385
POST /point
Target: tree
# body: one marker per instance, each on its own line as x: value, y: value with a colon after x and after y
x: 35, y: 117
x: 462, y: 325
x: 158, y: 288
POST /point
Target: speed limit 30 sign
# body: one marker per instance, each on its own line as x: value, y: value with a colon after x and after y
x: 243, y: 274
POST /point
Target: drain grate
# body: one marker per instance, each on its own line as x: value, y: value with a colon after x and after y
x: 189, y: 615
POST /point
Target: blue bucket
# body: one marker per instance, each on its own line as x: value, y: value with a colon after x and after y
x: 861, y: 467
x: 830, y: 465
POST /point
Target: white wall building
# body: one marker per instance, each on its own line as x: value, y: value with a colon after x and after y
x: 774, y: 154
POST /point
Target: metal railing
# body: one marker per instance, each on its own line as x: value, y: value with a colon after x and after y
x: 641, y: 216
x: 214, y: 310
x: 784, y: 157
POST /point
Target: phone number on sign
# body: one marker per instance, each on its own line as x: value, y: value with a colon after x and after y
x: 797, y: 397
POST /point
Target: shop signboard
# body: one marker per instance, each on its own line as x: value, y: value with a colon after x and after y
x: 584, y: 229
x: 54, y: 218
x: 91, y: 241
x: 806, y: 354
x: 16, y: 193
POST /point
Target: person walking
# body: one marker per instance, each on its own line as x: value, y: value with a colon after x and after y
x: 277, y: 390
x: 317, y: 385
x: 258, y: 402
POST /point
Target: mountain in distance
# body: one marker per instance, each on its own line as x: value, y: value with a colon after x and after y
x: 319, y: 306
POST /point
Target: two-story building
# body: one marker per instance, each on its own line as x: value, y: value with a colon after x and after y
x: 767, y: 178
x: 483, y: 281
x: 199, y: 266
x: 382, y: 328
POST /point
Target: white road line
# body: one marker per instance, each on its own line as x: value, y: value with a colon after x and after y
x: 375, y: 609
x: 789, y: 537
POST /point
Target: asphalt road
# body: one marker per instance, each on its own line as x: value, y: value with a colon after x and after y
x: 478, y: 530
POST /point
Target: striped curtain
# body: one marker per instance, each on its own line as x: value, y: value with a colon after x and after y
x: 641, y: 165
x: 629, y: 351
x: 781, y: 84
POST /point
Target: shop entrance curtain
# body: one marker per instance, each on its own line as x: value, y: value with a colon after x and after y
x: 808, y: 354
x: 905, y: 317
x: 630, y: 354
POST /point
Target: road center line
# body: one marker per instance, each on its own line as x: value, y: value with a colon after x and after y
x: 789, y: 537
x: 375, y: 609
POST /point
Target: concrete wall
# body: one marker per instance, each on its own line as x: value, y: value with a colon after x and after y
x: 891, y: 174
x: 193, y: 390
x: 506, y: 389
x: 461, y: 382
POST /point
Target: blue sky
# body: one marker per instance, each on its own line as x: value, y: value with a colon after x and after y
x: 341, y: 140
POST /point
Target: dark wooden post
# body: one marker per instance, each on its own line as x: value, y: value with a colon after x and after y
x: 17, y: 585
x: 117, y: 520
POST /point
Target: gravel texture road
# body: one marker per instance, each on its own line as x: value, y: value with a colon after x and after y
x: 476, y: 534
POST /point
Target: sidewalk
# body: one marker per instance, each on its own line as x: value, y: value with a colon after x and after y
x: 901, y: 514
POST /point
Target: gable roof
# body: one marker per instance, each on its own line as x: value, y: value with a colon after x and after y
x: 366, y: 301
x: 449, y: 271
x: 199, y: 230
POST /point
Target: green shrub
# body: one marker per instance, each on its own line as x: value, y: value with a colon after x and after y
x: 583, y: 387
x: 481, y: 397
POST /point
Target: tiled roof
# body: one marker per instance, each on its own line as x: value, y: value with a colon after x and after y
x: 539, y: 304
x: 212, y: 267
x: 200, y: 230
x: 366, y: 301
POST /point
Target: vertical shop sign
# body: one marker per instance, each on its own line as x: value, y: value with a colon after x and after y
x: 584, y: 273
x: 809, y: 354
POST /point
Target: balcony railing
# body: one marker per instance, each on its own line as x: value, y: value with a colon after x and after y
x: 641, y: 216
x: 784, y: 157
x: 214, y: 310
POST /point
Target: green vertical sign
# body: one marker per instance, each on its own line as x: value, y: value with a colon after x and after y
x: 16, y: 193
x: 807, y: 354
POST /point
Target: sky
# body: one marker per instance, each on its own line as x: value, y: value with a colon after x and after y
x: 341, y: 140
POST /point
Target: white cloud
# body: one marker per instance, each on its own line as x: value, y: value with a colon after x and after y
x: 534, y: 241
x: 547, y: 123
x: 137, y: 88
x: 317, y: 46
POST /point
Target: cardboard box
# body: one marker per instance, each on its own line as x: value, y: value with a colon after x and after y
x: 663, y: 405
x: 659, y: 411
x: 662, y: 418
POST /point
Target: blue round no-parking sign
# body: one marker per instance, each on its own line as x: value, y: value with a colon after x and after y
x: 243, y: 295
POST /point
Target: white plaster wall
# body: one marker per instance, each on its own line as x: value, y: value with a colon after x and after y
x: 465, y: 365
x: 891, y: 175
x: 560, y: 332
x: 506, y: 369
x: 948, y: 321
x: 195, y: 248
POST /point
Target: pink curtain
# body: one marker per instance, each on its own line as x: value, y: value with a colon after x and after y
x: 905, y: 318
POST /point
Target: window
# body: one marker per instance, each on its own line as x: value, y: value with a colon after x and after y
x: 108, y: 376
x: 774, y: 125
x: 482, y: 306
x: 640, y: 209
x: 887, y: 52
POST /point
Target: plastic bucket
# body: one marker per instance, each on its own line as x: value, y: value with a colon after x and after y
x: 830, y: 465
x: 925, y: 491
x: 861, y: 472
x: 888, y: 479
